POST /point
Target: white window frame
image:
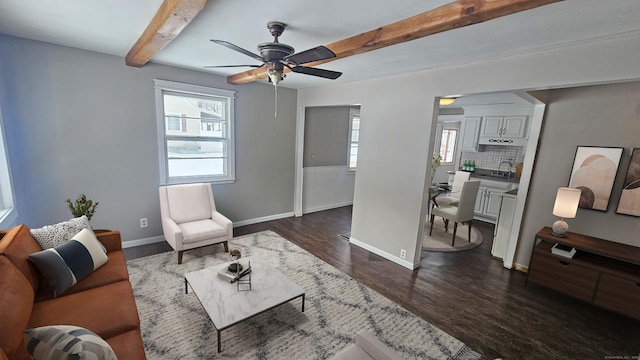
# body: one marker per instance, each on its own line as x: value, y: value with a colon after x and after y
x: 162, y: 86
x: 352, y: 113
x: 8, y: 211
x: 455, y: 145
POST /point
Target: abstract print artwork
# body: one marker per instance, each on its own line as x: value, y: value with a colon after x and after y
x: 594, y: 171
x: 629, y: 203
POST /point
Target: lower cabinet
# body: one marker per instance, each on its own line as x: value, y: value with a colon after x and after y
x: 601, y: 272
x: 488, y: 204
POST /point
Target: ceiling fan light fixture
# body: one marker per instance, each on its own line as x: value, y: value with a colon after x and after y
x: 447, y: 101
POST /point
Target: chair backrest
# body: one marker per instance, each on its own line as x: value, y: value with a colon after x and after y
x: 187, y: 202
x: 458, y: 179
x: 467, y: 201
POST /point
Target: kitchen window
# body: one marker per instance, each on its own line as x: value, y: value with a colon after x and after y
x: 195, y: 133
x: 448, y: 145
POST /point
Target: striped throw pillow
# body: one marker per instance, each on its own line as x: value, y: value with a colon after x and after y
x: 65, y: 265
x: 66, y: 342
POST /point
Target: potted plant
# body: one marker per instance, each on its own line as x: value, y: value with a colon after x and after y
x: 82, y: 206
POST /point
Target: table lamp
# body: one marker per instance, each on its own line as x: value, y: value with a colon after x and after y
x: 565, y: 207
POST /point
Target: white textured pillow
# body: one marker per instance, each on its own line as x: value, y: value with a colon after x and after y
x: 51, y: 236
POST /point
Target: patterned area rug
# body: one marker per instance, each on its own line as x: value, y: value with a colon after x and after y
x: 175, y: 326
x: 441, y: 241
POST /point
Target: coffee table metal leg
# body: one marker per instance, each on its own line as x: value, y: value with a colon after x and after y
x: 219, y: 343
x: 186, y: 286
x: 302, y: 302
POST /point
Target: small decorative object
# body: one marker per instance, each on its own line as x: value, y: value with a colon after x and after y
x: 594, y: 171
x: 435, y: 162
x: 629, y: 203
x: 243, y: 280
x: 82, y: 206
x: 566, y: 206
x: 235, y: 255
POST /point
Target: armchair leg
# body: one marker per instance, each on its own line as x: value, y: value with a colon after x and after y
x: 180, y: 257
x: 455, y: 228
x: 226, y: 246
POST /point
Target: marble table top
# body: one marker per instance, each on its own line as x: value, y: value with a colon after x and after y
x: 227, y: 306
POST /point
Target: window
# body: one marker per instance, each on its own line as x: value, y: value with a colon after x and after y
x: 448, y: 145
x: 8, y: 212
x: 195, y: 133
x: 354, y: 136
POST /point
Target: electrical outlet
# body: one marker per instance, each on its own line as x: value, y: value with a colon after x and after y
x: 403, y: 253
x: 144, y: 223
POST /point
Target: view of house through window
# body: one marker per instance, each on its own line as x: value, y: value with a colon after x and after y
x: 196, y: 125
x: 354, y: 135
x: 448, y: 145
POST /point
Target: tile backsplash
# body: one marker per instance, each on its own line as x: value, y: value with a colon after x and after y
x: 490, y: 156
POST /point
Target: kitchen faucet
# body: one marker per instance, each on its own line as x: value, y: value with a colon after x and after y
x: 510, y: 167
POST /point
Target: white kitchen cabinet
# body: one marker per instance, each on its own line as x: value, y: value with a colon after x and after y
x: 487, y: 206
x: 504, y: 126
x: 502, y: 232
x: 470, y: 133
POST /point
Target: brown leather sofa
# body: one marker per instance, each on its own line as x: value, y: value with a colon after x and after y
x: 103, y: 302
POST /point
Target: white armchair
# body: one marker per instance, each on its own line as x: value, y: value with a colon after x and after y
x: 190, y: 219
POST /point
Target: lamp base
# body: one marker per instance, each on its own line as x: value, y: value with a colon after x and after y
x: 560, y: 228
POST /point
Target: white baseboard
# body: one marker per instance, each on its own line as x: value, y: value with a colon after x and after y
x: 140, y: 242
x: 157, y: 239
x: 263, y: 219
x: 384, y: 254
x: 326, y: 207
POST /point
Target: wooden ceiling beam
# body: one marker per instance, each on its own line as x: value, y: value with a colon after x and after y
x: 451, y: 16
x: 172, y: 17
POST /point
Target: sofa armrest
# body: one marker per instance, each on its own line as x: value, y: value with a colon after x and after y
x: 375, y: 348
x: 110, y: 239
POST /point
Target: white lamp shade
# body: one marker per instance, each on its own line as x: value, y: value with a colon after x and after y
x: 567, y: 200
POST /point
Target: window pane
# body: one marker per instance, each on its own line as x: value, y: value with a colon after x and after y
x: 353, y: 156
x: 195, y: 116
x: 195, y: 158
x: 448, y: 145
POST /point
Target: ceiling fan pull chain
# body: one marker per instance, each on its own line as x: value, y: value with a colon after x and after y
x: 275, y: 114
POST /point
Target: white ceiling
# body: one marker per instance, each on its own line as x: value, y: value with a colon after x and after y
x: 113, y: 26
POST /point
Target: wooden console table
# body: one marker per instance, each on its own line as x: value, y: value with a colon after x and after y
x: 602, y: 272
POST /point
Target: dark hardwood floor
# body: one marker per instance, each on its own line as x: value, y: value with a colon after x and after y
x: 466, y: 294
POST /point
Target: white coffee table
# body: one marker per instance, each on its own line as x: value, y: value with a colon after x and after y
x: 226, y: 306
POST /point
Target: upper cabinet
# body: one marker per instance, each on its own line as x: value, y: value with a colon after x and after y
x: 470, y: 133
x: 503, y: 130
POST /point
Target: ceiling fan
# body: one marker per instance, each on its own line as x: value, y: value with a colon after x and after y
x: 276, y: 56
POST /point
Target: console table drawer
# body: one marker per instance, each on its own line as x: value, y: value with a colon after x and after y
x: 619, y: 295
x: 563, y: 276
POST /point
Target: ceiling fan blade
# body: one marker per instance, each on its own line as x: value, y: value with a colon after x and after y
x: 328, y: 74
x: 238, y: 49
x: 311, y: 55
x: 229, y: 66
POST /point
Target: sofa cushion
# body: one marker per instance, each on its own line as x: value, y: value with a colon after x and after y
x: 113, y: 271
x: 51, y: 236
x: 16, y: 301
x: 128, y: 345
x: 107, y: 310
x: 62, y: 266
x: 66, y: 342
x: 16, y: 244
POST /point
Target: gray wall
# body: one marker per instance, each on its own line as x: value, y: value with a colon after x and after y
x: 604, y: 115
x: 82, y: 122
x: 326, y: 136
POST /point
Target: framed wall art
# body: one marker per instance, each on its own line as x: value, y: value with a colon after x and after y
x: 594, y: 171
x: 629, y: 203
